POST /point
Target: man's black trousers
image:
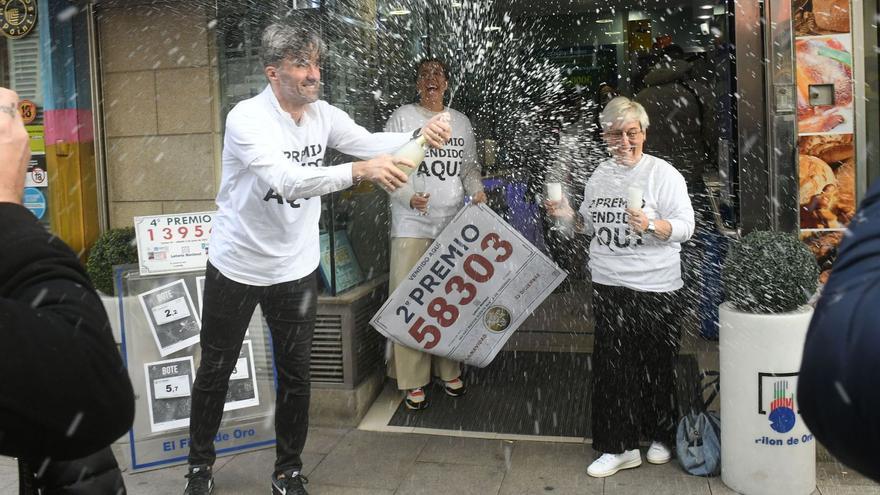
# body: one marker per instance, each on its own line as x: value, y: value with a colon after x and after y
x: 289, y: 309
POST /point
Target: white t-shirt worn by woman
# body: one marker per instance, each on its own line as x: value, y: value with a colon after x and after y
x: 449, y: 173
x: 643, y: 263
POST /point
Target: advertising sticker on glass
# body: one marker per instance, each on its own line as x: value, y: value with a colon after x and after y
x: 169, y: 390
x: 172, y: 317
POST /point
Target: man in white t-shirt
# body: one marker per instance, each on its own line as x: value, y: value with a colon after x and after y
x: 264, y: 244
x: 421, y: 209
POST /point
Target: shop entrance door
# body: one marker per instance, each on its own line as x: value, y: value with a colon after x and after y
x: 532, y: 77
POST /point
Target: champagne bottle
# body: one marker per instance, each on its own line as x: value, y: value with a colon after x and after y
x: 414, y: 151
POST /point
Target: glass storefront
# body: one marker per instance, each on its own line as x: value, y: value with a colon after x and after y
x: 532, y: 78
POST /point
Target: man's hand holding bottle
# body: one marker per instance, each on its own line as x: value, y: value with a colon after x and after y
x: 437, y: 130
x: 391, y: 172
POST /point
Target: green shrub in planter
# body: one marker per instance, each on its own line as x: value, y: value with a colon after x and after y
x: 769, y: 272
x: 113, y: 247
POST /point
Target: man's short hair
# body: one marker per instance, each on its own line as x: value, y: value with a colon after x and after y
x: 282, y: 41
x: 434, y: 60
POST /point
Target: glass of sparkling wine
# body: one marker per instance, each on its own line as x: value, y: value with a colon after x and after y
x: 634, y: 199
x: 554, y: 193
x: 420, y: 185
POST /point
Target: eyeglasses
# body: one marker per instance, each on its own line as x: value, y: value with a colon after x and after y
x: 630, y: 134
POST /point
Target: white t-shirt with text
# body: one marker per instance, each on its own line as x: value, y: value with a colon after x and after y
x: 448, y: 172
x: 646, y: 263
x: 266, y: 228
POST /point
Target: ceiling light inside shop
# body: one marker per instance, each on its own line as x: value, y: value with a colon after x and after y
x: 399, y: 12
x: 704, y: 17
x: 604, y: 21
x: 707, y: 7
x: 611, y: 33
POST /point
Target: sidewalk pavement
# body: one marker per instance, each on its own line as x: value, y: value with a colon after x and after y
x: 354, y: 462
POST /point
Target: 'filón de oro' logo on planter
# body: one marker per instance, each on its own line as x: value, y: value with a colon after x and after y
x: 777, y: 401
x: 17, y: 17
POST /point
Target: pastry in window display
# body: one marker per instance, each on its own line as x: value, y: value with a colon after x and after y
x: 827, y: 190
x: 823, y: 61
x: 829, y: 148
x: 824, y: 246
x: 832, y: 15
x: 817, y: 194
x: 813, y: 17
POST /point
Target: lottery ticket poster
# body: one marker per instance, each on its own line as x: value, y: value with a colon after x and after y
x: 242, y: 390
x: 173, y: 243
x: 472, y: 289
x: 169, y: 390
x: 171, y: 316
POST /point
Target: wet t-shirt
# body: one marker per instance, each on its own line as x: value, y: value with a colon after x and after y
x: 449, y: 173
x: 644, y: 262
x: 266, y: 228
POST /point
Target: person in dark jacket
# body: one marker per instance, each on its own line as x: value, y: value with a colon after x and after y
x: 837, y: 388
x: 679, y: 133
x: 64, y: 392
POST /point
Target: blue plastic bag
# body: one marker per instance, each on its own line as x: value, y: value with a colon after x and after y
x: 698, y: 443
x: 698, y: 438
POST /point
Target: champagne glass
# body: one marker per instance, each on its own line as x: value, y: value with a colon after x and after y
x: 554, y: 193
x: 634, y: 198
x: 420, y: 186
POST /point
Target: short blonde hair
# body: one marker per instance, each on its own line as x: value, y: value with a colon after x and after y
x: 621, y: 109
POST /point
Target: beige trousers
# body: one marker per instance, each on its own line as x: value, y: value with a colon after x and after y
x: 412, y: 368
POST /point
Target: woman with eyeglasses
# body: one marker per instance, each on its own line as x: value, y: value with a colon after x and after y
x: 636, y: 272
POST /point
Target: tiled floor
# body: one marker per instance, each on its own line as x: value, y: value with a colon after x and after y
x: 340, y: 461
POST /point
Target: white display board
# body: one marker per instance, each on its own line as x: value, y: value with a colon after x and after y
x: 472, y: 289
x: 173, y: 243
x: 160, y: 332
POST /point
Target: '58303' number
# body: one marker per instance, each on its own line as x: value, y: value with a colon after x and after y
x: 478, y: 269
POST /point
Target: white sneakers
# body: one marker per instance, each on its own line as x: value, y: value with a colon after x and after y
x: 608, y: 464
x: 658, y: 453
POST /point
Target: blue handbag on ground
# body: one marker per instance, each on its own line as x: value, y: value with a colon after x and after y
x: 698, y: 438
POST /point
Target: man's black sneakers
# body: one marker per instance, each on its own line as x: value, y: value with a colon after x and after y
x: 199, y: 481
x: 289, y: 484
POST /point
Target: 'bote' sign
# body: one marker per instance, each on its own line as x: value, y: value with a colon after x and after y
x: 474, y: 286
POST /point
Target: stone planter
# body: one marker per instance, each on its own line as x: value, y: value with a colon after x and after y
x: 765, y: 445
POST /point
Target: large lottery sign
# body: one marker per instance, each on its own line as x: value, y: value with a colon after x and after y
x: 173, y: 243
x: 474, y: 286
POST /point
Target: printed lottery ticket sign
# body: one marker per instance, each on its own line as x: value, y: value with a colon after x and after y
x: 472, y: 289
x: 173, y: 243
